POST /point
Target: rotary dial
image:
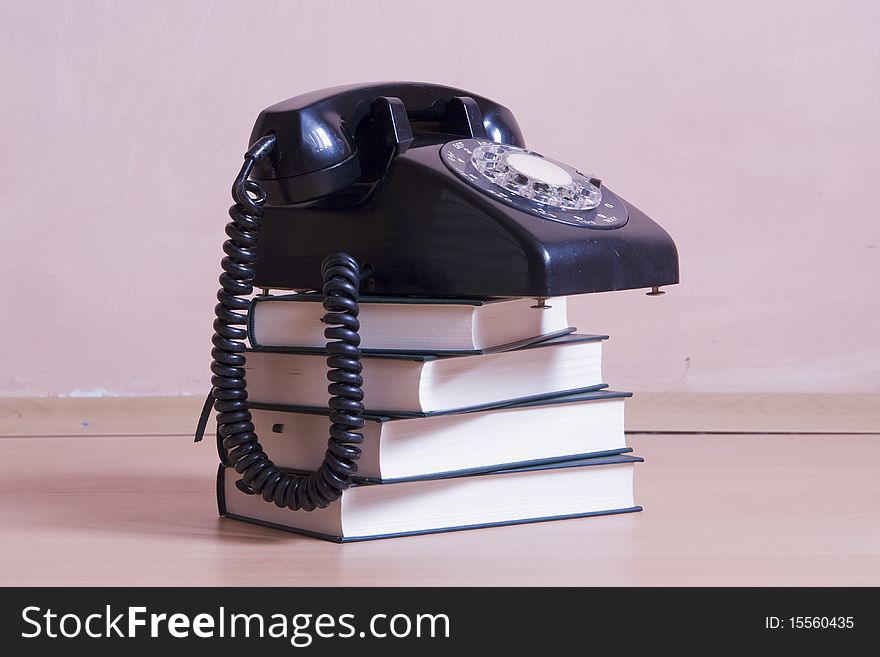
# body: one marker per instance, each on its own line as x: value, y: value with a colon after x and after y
x: 532, y: 183
x: 535, y: 177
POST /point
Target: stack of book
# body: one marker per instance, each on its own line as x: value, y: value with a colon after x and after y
x: 478, y: 413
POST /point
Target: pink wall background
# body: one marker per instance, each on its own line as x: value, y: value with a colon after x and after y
x: 748, y: 129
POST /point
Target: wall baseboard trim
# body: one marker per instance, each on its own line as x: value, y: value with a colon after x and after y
x: 797, y: 413
x: 646, y: 413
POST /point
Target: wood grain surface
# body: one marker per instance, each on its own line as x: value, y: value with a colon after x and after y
x: 719, y: 509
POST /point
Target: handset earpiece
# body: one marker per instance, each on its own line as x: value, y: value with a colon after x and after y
x: 332, y: 140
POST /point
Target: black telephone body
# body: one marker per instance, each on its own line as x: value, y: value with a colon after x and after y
x: 400, y: 189
x: 388, y: 173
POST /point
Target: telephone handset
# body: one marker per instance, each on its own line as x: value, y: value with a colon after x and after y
x: 401, y: 189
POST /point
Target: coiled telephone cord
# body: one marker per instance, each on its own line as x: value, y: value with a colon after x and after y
x: 341, y: 276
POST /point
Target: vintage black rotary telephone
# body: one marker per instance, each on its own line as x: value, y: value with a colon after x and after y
x: 404, y: 189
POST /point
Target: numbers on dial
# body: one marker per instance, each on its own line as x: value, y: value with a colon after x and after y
x: 606, y: 213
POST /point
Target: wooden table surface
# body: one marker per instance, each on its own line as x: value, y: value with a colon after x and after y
x: 719, y: 509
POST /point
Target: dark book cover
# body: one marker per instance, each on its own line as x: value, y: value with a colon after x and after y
x: 560, y: 337
x: 571, y: 463
x: 592, y: 393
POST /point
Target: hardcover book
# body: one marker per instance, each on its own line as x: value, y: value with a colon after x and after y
x: 410, y: 325
x: 569, y: 489
x: 399, y: 384
x: 397, y: 448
